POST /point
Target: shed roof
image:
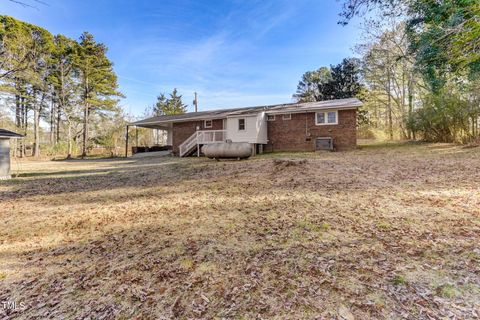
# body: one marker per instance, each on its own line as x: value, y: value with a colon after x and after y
x: 352, y: 103
x: 4, y: 133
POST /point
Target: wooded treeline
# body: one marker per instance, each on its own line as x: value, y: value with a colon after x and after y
x: 418, y: 71
x: 66, y: 84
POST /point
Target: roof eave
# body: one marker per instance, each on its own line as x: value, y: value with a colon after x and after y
x: 235, y: 113
x: 175, y: 120
x: 244, y: 115
x: 303, y: 110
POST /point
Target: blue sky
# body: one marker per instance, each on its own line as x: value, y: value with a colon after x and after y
x: 232, y: 52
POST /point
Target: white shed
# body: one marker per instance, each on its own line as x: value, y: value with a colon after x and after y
x: 5, y: 136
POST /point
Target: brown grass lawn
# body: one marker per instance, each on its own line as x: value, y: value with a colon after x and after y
x: 385, y: 232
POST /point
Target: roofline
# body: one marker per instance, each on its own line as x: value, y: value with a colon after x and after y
x: 251, y: 114
x: 312, y: 110
x: 298, y: 109
x: 200, y: 118
x: 10, y: 134
x: 177, y: 120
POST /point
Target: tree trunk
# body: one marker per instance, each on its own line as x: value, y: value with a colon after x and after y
x: 36, y: 133
x: 25, y: 126
x: 410, y: 103
x: 389, y: 106
x: 59, y: 113
x: 18, y: 123
x: 52, y: 123
x: 475, y: 126
x: 85, y: 131
x: 36, y: 128
x: 405, y: 131
x: 69, y: 138
x: 85, y: 117
x: 61, y: 101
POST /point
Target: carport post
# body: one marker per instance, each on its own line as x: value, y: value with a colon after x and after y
x: 126, y: 144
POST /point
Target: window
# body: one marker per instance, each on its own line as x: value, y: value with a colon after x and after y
x: 270, y: 117
x: 208, y: 124
x: 323, y: 144
x: 330, y: 117
x: 241, y: 124
x: 287, y: 116
x: 320, y: 118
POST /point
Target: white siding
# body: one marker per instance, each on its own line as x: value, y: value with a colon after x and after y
x: 262, y: 131
x: 255, y: 128
x: 4, y: 158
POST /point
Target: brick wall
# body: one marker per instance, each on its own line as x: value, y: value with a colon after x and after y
x: 299, y: 133
x: 183, y: 130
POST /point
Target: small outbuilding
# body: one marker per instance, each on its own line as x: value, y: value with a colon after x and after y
x: 5, y: 136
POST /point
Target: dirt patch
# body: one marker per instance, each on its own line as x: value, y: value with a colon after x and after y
x: 284, y: 163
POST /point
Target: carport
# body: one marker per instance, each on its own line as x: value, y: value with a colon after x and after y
x: 149, y: 123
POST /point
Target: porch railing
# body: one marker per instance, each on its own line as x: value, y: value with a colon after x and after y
x: 201, y: 137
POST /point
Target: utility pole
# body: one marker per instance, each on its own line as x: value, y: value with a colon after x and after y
x: 195, y: 102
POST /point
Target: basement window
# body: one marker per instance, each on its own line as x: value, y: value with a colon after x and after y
x: 208, y: 124
x: 287, y: 116
x: 328, y: 117
x: 270, y: 117
x: 241, y: 124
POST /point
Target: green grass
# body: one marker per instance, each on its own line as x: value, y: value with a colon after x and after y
x: 448, y: 291
x: 399, y: 280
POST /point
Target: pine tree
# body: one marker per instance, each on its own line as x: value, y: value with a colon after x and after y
x: 170, y: 106
x: 64, y: 84
x: 175, y: 104
x: 55, y: 79
x: 98, y: 81
x: 161, y: 105
x: 17, y: 47
x: 40, y: 80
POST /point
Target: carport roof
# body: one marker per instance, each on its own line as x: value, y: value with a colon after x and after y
x: 4, y: 133
x: 296, y: 107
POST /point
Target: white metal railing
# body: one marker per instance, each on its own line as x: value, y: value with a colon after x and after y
x: 210, y: 136
x: 201, y: 137
x: 188, y: 144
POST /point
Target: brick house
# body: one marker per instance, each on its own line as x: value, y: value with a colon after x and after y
x: 306, y: 126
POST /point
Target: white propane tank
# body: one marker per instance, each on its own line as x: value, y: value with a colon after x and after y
x: 228, y: 149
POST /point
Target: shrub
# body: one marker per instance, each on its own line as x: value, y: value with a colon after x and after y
x: 445, y: 117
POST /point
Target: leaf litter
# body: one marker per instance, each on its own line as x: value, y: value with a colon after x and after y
x: 373, y: 233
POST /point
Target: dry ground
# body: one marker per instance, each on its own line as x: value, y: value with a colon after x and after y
x: 387, y: 232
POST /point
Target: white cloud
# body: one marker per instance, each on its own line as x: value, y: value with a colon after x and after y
x: 234, y: 53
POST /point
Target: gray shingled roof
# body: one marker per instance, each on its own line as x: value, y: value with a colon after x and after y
x: 4, y: 133
x: 278, y: 108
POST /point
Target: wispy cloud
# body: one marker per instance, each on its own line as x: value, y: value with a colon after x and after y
x: 221, y: 58
x: 232, y: 52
